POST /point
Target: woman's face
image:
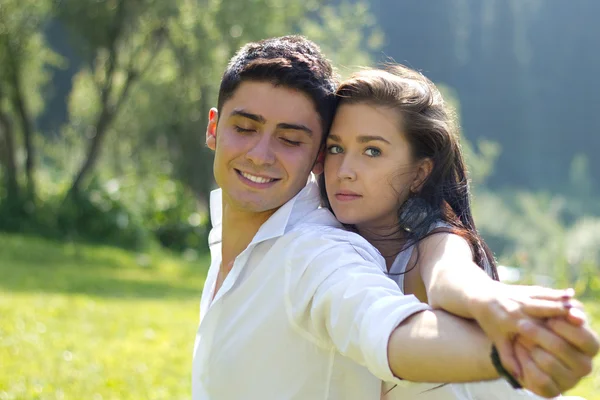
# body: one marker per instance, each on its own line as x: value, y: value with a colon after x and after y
x: 369, y: 168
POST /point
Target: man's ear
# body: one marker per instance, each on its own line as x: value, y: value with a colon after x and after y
x: 319, y: 162
x: 211, y: 129
x: 423, y: 170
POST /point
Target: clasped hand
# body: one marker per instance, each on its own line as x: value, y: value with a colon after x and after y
x: 542, y: 335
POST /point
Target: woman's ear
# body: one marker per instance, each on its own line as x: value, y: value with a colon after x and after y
x: 211, y: 129
x: 423, y: 170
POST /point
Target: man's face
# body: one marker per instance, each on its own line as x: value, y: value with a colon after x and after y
x: 266, y: 142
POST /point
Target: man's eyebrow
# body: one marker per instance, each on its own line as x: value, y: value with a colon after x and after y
x: 296, y: 127
x: 259, y: 118
x: 369, y: 138
x: 254, y: 117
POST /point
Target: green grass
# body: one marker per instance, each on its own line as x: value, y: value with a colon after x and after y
x: 97, y: 323
x: 90, y: 322
x: 589, y: 387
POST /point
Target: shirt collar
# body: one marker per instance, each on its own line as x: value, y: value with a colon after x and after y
x: 288, y: 215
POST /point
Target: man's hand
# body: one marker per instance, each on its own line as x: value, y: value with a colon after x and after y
x: 501, y: 308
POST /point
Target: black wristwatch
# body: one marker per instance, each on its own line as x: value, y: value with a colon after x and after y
x: 502, y: 371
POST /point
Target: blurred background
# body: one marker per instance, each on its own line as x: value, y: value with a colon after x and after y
x: 104, y: 177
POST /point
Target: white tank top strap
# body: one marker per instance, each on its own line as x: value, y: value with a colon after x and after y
x: 398, y: 268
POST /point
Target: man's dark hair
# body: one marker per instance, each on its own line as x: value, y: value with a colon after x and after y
x: 291, y: 61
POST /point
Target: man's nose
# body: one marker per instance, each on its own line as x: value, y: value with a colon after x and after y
x: 262, y: 153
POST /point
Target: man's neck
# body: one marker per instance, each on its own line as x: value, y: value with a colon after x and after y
x: 239, y: 228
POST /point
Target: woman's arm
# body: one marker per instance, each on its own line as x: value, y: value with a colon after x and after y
x: 453, y: 282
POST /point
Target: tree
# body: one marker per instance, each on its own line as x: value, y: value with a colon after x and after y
x: 119, y: 40
x: 23, y: 53
x: 145, y: 73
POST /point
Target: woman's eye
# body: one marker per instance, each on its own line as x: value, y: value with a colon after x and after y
x: 373, y: 152
x: 242, y: 130
x: 333, y: 149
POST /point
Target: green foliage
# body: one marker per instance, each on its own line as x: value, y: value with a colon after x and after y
x: 589, y: 387
x: 92, y: 216
x: 13, y: 214
x: 330, y: 28
x: 583, y: 256
x: 95, y: 216
x: 23, y: 49
x: 135, y: 210
x: 534, y: 231
x: 129, y: 165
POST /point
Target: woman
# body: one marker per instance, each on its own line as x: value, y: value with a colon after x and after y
x: 395, y: 174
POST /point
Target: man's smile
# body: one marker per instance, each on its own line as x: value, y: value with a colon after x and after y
x: 256, y: 181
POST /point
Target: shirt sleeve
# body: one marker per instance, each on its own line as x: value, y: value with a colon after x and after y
x: 499, y: 390
x: 338, y: 295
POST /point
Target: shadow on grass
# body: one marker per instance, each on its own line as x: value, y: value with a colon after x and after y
x: 98, y: 286
x: 37, y: 265
x: 39, y: 251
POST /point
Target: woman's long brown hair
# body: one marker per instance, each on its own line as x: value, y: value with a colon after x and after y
x: 431, y: 131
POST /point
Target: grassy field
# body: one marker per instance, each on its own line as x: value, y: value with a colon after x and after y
x: 99, y: 323
x: 94, y: 322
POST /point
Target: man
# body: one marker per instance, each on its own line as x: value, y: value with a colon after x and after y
x: 293, y: 305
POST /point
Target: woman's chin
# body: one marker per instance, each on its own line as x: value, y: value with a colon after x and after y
x: 347, y: 220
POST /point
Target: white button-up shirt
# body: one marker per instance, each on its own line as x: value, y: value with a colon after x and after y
x: 487, y: 390
x: 305, y: 312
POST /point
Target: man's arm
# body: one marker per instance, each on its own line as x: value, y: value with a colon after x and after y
x: 342, y: 298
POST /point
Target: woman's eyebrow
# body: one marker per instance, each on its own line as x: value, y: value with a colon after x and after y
x: 360, y: 139
x: 368, y: 138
